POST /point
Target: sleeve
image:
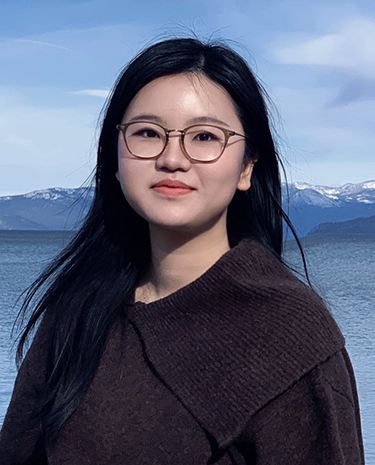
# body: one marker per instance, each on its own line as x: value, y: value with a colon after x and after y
x: 314, y: 422
x: 19, y: 436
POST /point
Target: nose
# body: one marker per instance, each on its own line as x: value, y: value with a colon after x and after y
x: 173, y: 157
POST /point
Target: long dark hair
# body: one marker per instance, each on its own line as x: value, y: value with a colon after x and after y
x: 88, y: 287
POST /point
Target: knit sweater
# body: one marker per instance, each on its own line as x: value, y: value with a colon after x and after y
x: 245, y: 365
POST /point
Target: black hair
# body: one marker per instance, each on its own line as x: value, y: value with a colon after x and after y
x: 89, y: 285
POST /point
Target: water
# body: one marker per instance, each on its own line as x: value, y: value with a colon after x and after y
x: 23, y: 254
x: 342, y: 268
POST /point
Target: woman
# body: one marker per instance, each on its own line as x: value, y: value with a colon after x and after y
x: 171, y: 330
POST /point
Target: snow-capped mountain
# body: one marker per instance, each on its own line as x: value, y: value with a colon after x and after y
x: 306, y: 204
x: 324, y: 196
x: 311, y: 205
x: 56, y: 193
x: 48, y: 209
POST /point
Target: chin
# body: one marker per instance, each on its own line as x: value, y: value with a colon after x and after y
x: 190, y: 228
x: 173, y: 226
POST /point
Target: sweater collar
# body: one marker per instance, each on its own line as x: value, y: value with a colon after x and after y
x: 235, y: 338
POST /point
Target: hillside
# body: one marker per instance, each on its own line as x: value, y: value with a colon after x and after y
x: 308, y: 206
x: 311, y: 205
x: 49, y: 209
x: 357, y: 226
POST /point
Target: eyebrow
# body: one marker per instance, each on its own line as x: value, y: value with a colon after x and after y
x: 146, y: 117
x: 196, y: 120
x: 208, y: 119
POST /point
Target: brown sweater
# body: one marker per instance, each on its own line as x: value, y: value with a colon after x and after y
x: 245, y: 365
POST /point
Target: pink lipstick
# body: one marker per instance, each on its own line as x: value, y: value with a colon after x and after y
x: 172, y: 187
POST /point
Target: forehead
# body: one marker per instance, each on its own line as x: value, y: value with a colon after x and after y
x: 180, y: 96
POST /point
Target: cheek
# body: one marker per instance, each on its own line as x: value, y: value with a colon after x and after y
x: 127, y: 173
x: 226, y: 176
x: 221, y: 187
x: 128, y: 177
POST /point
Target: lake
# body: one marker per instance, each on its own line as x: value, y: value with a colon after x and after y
x: 342, y: 269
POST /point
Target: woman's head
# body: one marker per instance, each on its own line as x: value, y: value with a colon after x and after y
x: 181, y: 155
x: 254, y: 213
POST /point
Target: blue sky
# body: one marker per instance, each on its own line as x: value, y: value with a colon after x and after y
x: 58, y: 59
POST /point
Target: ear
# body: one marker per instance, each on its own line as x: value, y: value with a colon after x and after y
x: 117, y: 176
x: 244, y: 182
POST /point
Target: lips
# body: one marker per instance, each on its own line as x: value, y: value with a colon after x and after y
x: 172, y: 187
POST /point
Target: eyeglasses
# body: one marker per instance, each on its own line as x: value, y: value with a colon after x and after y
x: 204, y: 143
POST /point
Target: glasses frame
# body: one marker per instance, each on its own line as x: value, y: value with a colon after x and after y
x: 227, y: 134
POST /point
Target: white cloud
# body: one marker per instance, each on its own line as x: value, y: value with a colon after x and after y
x: 42, y: 147
x: 14, y: 139
x: 40, y: 42
x: 326, y: 145
x: 92, y: 92
x: 351, y: 49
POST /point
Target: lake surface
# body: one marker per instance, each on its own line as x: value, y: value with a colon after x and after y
x: 342, y: 269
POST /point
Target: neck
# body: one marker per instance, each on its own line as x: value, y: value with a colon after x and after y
x: 179, y: 259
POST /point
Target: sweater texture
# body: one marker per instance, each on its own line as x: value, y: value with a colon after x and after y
x: 245, y: 365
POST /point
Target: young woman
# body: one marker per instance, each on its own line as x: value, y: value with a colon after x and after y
x: 171, y: 331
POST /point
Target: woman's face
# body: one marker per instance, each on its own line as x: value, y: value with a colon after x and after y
x: 200, y: 203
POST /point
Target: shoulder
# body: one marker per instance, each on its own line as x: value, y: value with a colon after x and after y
x: 272, y: 299
x: 272, y: 313
x: 316, y: 420
x: 236, y: 338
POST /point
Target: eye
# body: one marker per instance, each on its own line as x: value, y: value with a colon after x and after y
x: 146, y: 133
x: 142, y: 130
x: 205, y: 137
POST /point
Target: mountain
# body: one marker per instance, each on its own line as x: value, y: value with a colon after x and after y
x: 308, y: 206
x: 49, y: 209
x: 357, y: 226
x: 311, y: 205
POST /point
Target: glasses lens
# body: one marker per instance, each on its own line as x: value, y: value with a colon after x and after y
x: 145, y: 139
x: 204, y: 143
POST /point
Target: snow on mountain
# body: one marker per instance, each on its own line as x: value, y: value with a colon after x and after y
x: 54, y: 193
x: 360, y: 192
x: 307, y: 205
x: 323, y: 190
x: 310, y: 196
x: 48, y: 209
